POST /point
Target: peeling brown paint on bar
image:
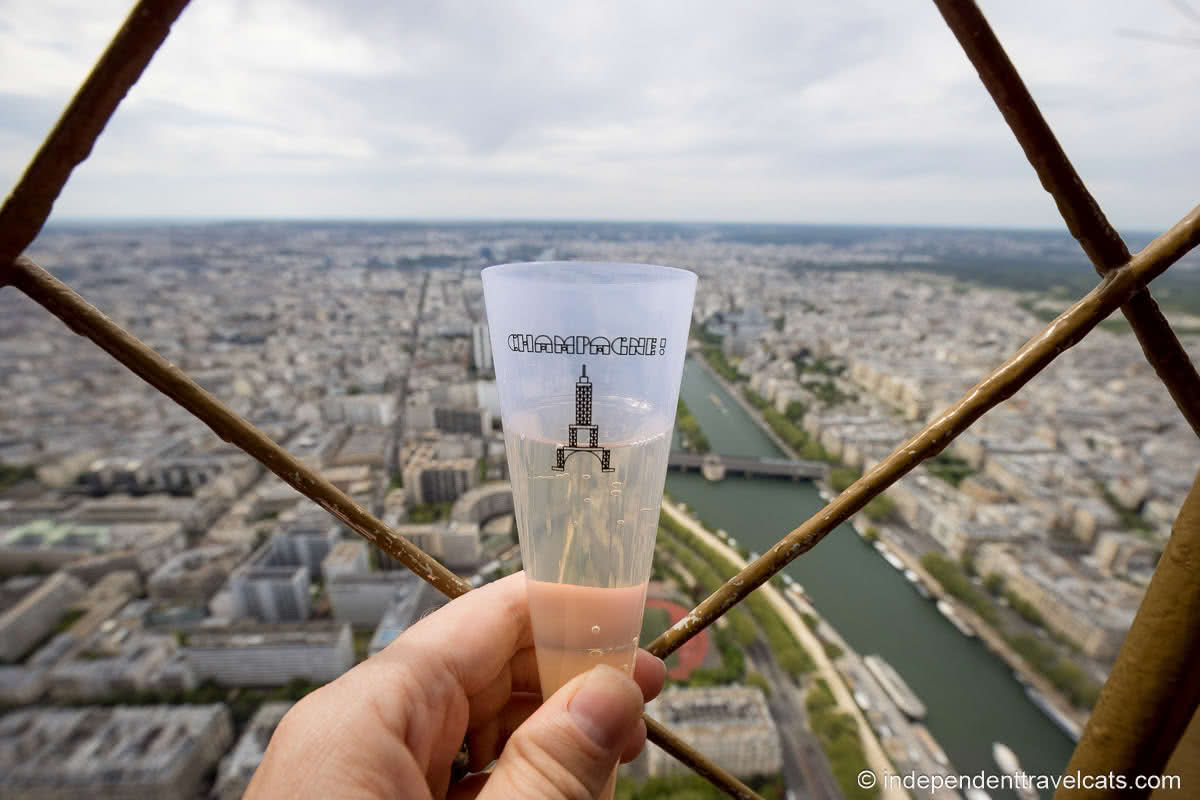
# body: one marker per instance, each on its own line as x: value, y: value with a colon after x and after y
x: 71, y: 139
x: 1080, y: 210
x: 1116, y: 736
x: 1153, y: 690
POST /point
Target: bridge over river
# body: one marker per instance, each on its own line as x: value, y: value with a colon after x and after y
x: 714, y: 467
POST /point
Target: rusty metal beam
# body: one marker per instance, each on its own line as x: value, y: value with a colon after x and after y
x: 1153, y: 691
x: 1085, y: 220
x: 1064, y: 332
x: 72, y: 138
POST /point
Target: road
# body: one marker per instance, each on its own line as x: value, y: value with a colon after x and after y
x: 877, y: 760
x: 805, y: 766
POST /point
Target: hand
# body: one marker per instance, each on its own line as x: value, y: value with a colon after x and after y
x: 392, y: 726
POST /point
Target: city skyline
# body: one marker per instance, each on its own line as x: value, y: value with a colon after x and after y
x: 868, y: 115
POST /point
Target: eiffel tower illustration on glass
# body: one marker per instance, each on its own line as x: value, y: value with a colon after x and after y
x: 583, y: 424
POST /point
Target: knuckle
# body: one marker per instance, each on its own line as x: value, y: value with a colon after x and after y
x: 541, y: 774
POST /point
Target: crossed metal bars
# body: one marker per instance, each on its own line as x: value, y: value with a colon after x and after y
x: 1154, y: 689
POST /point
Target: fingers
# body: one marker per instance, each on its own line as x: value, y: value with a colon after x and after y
x: 497, y: 712
x: 485, y: 742
x: 650, y: 673
x: 472, y: 638
x: 568, y: 748
x: 468, y: 788
x: 637, y: 740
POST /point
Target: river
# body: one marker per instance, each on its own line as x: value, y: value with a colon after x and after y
x: 971, y: 695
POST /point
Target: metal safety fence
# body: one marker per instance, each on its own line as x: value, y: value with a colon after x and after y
x: 1153, y: 691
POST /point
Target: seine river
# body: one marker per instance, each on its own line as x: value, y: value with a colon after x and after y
x: 972, y: 697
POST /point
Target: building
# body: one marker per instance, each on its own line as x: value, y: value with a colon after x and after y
x: 481, y: 347
x: 194, y: 576
x: 363, y: 598
x: 104, y: 600
x: 365, y: 446
x: 491, y: 500
x: 117, y: 662
x: 348, y: 557
x: 119, y: 753
x: 237, y: 768
x: 730, y: 725
x: 472, y: 421
x: 270, y: 655
x: 52, y: 543
x: 271, y: 593
x: 439, y: 481
x: 306, y: 541
x: 360, y: 409
x: 1091, y: 611
x: 35, y: 616
x: 455, y: 544
x: 194, y: 513
x: 21, y: 685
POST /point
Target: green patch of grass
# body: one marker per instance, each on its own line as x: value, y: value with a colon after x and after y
x: 716, y: 359
x: 429, y: 512
x: 837, y: 732
x: 11, y: 474
x: 69, y: 619
x: 694, y: 439
x: 952, y: 469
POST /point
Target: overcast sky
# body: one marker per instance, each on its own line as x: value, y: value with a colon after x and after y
x: 861, y: 112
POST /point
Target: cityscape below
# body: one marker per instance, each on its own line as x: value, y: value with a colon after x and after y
x: 164, y: 598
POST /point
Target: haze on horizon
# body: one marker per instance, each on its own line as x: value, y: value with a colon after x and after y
x: 671, y: 111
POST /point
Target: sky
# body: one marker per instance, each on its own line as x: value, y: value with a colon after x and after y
x: 696, y: 110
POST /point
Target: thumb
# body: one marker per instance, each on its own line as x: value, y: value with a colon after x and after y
x: 570, y: 746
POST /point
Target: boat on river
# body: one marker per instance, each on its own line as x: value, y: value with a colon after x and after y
x: 1007, y: 761
x: 930, y: 744
x: 915, y: 579
x: 1065, y: 723
x: 947, y: 611
x: 899, y: 691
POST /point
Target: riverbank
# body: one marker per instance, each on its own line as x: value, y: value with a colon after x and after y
x: 992, y: 639
x: 736, y: 393
x: 876, y: 758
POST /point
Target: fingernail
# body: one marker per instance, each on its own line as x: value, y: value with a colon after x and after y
x: 602, y: 709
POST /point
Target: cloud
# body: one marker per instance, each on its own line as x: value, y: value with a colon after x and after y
x: 771, y: 111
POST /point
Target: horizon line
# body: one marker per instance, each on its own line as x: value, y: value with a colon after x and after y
x: 214, y: 220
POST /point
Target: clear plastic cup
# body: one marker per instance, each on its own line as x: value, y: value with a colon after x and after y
x: 588, y: 361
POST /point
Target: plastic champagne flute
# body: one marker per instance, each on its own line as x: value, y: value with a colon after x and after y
x: 588, y: 357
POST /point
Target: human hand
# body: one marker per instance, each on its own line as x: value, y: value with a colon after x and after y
x: 392, y: 726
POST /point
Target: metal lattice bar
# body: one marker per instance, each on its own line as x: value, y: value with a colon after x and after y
x: 1154, y: 688
x: 71, y: 140
x: 1148, y: 738
x: 1070, y: 327
x: 1083, y: 215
